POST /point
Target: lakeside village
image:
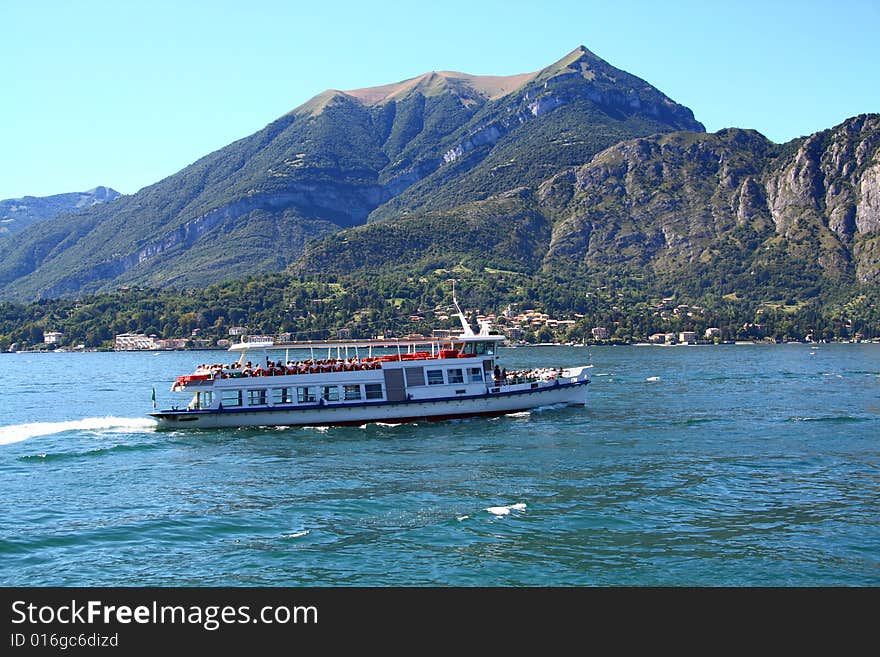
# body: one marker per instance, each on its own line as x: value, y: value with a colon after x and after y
x: 529, y: 327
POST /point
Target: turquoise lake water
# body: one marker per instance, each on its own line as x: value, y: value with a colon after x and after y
x: 690, y: 466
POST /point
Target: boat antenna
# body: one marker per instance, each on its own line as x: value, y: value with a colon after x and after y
x: 468, y: 331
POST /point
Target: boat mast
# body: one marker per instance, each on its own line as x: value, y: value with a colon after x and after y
x: 468, y: 331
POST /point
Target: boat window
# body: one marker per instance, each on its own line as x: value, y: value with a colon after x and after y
x: 484, y: 349
x: 201, y: 400
x: 282, y: 396
x: 351, y: 392
x: 373, y: 390
x: 475, y: 374
x: 415, y: 376
x: 455, y: 375
x: 257, y: 397
x: 479, y: 348
x: 331, y: 393
x: 306, y: 394
x: 231, y: 398
x: 435, y: 377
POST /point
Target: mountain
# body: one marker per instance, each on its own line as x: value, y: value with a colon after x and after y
x: 16, y: 214
x: 342, y: 159
x: 730, y: 212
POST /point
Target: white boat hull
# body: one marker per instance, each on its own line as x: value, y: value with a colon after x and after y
x: 504, y: 401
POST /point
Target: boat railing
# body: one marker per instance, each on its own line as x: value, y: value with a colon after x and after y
x: 242, y: 368
x: 528, y: 376
x: 310, y: 366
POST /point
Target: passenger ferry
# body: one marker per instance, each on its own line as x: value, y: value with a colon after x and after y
x: 337, y: 383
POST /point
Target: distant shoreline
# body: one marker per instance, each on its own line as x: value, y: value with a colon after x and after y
x: 736, y: 343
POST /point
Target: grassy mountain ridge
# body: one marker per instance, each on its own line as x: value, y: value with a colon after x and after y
x: 505, y: 231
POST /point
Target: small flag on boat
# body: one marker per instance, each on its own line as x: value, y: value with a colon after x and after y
x: 154, y: 397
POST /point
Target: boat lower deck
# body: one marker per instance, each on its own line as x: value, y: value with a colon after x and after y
x: 324, y: 414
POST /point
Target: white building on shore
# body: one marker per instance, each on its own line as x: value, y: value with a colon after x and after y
x: 53, y: 337
x: 134, y: 342
x: 687, y: 337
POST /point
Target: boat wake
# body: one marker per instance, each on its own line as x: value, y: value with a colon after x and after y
x: 549, y: 407
x: 15, y: 433
x: 828, y: 418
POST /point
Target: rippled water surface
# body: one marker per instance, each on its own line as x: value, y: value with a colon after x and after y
x: 728, y: 465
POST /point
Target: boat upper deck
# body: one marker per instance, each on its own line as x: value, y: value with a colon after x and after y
x: 408, y: 343
x: 337, y: 356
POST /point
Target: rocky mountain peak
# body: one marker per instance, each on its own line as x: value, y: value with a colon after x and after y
x: 18, y: 213
x: 465, y: 85
x: 580, y: 59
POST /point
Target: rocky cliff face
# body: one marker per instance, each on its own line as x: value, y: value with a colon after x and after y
x: 831, y: 184
x: 660, y: 200
x: 673, y: 200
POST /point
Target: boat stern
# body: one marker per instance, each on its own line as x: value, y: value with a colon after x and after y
x: 175, y: 419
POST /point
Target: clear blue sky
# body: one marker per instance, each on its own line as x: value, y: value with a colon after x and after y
x: 126, y: 92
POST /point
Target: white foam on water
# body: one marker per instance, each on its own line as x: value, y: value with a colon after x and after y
x: 548, y: 407
x: 499, y: 510
x: 505, y: 510
x: 299, y: 534
x: 315, y: 428
x: 15, y: 433
x: 462, y: 518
